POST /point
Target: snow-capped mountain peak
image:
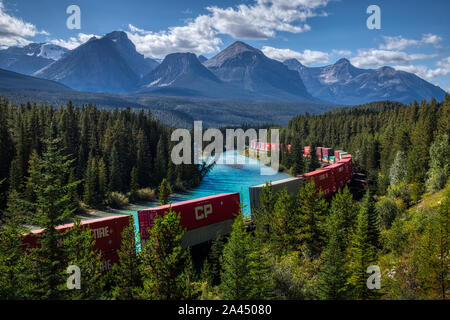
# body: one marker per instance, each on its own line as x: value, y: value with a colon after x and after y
x: 51, y: 51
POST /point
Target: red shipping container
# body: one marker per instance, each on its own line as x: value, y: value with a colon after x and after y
x: 336, y: 154
x: 323, y: 179
x: 107, y: 232
x: 194, y: 213
x: 348, y: 168
x: 339, y: 173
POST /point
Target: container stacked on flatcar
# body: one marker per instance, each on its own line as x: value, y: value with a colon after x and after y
x: 256, y: 145
x: 323, y: 179
x: 326, y: 154
x: 319, y: 153
x: 203, y: 219
x: 107, y: 233
x: 339, y: 174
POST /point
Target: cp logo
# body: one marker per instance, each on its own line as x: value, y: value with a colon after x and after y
x: 202, y: 212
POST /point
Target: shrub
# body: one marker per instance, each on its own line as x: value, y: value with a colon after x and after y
x: 401, y: 191
x: 145, y: 194
x: 118, y: 200
x: 388, y: 209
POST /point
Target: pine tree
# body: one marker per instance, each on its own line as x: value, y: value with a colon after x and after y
x: 91, y: 188
x: 13, y: 261
x: 164, y: 260
x: 214, y: 258
x: 52, y: 208
x: 260, y: 271
x: 102, y: 180
x: 236, y: 279
x: 161, y: 159
x: 373, y: 229
x: 134, y: 186
x: 332, y: 283
x: 362, y: 255
x: 33, y: 177
x: 262, y: 214
x: 127, y: 274
x: 15, y: 177
x: 311, y: 211
x: 298, y: 162
x: 283, y: 234
x: 144, y: 161
x: 79, y: 246
x: 164, y: 192
x: 115, y: 175
x: 342, y: 206
x: 6, y: 151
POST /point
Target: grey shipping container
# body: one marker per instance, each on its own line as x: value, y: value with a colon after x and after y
x: 292, y: 184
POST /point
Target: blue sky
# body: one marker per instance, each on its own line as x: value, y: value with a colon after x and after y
x: 414, y: 34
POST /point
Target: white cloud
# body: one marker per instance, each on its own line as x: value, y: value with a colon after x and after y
x: 307, y: 57
x: 73, y: 42
x: 342, y: 53
x: 197, y: 37
x: 400, y: 43
x: 374, y: 58
x: 260, y: 20
x: 432, y: 39
x: 442, y: 69
x: 14, y: 31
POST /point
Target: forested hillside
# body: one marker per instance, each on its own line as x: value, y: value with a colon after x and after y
x: 112, y: 152
x: 376, y: 135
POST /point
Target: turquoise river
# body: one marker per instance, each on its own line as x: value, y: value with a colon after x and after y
x: 226, y: 179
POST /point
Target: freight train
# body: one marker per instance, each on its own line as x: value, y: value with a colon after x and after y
x: 328, y: 179
x: 206, y: 218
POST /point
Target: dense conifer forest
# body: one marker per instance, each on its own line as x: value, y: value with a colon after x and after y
x: 299, y: 246
x: 116, y: 154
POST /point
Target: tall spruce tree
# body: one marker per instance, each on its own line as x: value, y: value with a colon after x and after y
x: 127, y: 274
x: 332, y: 283
x: 52, y: 208
x: 115, y: 174
x: 367, y: 205
x: 80, y: 251
x: 311, y: 211
x: 298, y: 162
x: 343, y: 207
x: 362, y: 255
x: 236, y: 279
x: 164, y: 192
x: 164, y: 260
x: 262, y: 214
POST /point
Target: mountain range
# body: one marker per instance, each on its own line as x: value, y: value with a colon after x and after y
x: 111, y: 64
x: 346, y: 84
